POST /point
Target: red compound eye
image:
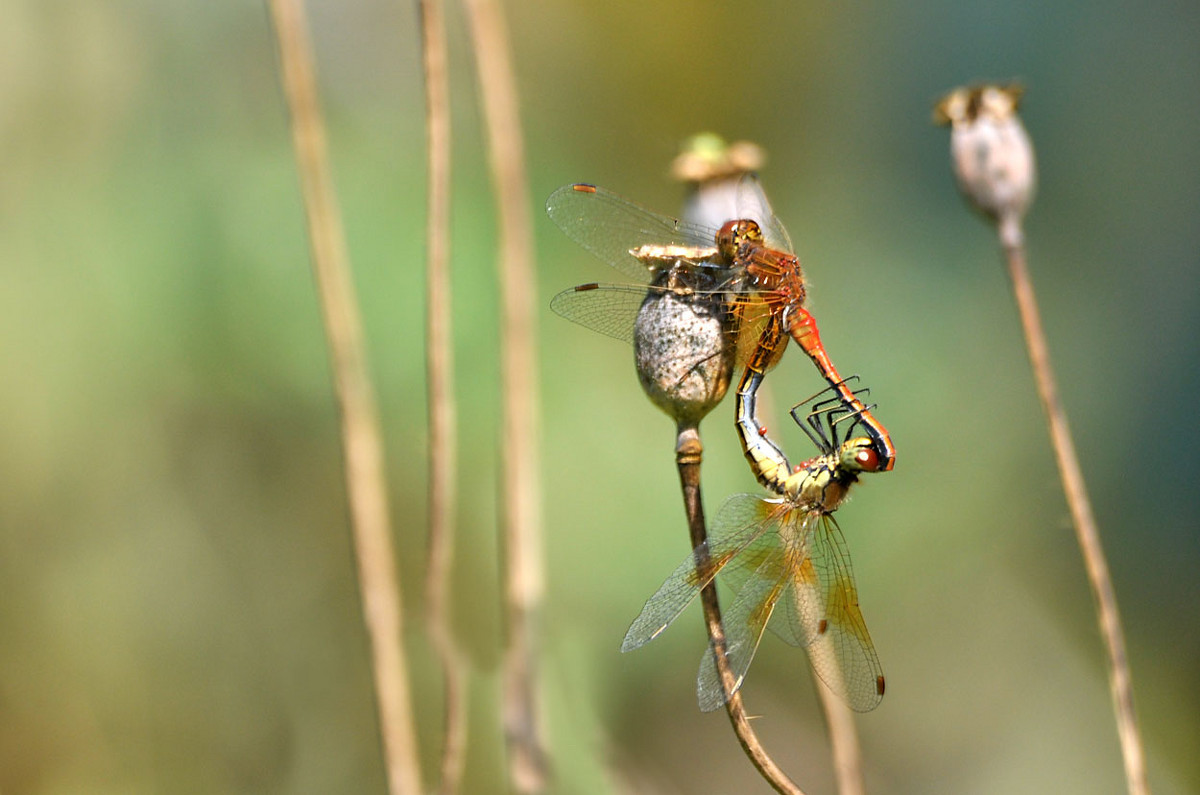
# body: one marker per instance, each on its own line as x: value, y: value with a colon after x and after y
x: 728, y: 234
x: 867, y: 459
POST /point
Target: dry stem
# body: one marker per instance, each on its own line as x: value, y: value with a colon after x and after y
x: 528, y: 763
x: 439, y: 366
x: 688, y: 455
x: 843, y: 739
x: 1120, y: 681
x: 379, y: 586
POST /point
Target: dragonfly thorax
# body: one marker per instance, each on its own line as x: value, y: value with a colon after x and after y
x: 819, y: 484
x: 822, y: 483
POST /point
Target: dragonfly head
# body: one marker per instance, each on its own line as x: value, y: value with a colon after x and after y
x: 859, y: 455
x: 735, y: 233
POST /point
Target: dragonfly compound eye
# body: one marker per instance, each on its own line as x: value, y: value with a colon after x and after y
x: 728, y: 237
x: 749, y: 231
x: 736, y: 233
x: 867, y: 459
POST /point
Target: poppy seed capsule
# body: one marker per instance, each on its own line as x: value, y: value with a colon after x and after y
x: 681, y: 343
x: 991, y: 153
x: 706, y: 157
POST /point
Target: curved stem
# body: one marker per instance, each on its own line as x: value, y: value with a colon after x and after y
x: 1120, y: 680
x: 689, y: 452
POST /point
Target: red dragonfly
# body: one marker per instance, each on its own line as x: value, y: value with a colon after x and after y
x: 748, y: 262
x: 785, y: 558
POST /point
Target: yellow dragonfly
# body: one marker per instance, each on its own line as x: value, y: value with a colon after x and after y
x: 786, y: 558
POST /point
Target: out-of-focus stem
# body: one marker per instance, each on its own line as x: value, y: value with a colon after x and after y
x: 379, y: 585
x: 439, y: 366
x: 843, y: 737
x: 523, y: 578
x: 1120, y: 681
x: 689, y: 452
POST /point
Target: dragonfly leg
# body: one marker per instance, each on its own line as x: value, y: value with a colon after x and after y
x: 802, y: 327
x: 824, y: 435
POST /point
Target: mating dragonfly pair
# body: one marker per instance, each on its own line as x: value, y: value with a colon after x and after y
x: 786, y: 553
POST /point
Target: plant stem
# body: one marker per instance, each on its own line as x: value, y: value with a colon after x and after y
x: 522, y: 544
x: 847, y: 754
x: 1120, y: 681
x: 379, y: 587
x: 689, y: 452
x: 439, y: 367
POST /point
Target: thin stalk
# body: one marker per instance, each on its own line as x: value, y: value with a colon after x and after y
x: 521, y: 489
x: 843, y: 739
x: 1120, y: 680
x: 439, y: 367
x: 689, y: 452
x: 379, y: 586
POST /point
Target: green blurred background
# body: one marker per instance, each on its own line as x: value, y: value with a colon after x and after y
x: 177, y: 604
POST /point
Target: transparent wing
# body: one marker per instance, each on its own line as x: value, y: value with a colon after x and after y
x: 741, y: 521
x: 802, y: 605
x: 840, y: 649
x: 611, y: 227
x: 751, y: 202
x: 744, y: 622
x: 738, y: 511
x: 610, y: 309
x: 803, y: 569
x: 715, y: 202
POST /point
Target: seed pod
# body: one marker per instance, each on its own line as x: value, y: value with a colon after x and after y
x: 706, y: 157
x: 991, y: 152
x: 681, y: 342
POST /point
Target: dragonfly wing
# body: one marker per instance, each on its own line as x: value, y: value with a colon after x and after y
x: 611, y: 227
x: 713, y: 203
x: 610, y: 309
x: 744, y: 622
x: 841, y: 651
x: 740, y: 522
x: 802, y: 604
x: 742, y: 511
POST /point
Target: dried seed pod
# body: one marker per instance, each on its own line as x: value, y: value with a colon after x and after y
x: 681, y: 342
x: 991, y: 152
x: 707, y: 156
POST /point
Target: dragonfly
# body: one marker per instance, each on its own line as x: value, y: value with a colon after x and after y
x: 747, y: 263
x: 786, y: 558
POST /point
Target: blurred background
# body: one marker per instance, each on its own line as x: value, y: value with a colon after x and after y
x: 177, y: 602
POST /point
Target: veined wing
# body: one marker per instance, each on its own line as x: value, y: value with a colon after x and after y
x: 610, y: 309
x: 744, y: 622
x: 714, y: 203
x: 751, y: 202
x: 743, y: 509
x: 741, y: 521
x: 821, y: 606
x: 611, y: 227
